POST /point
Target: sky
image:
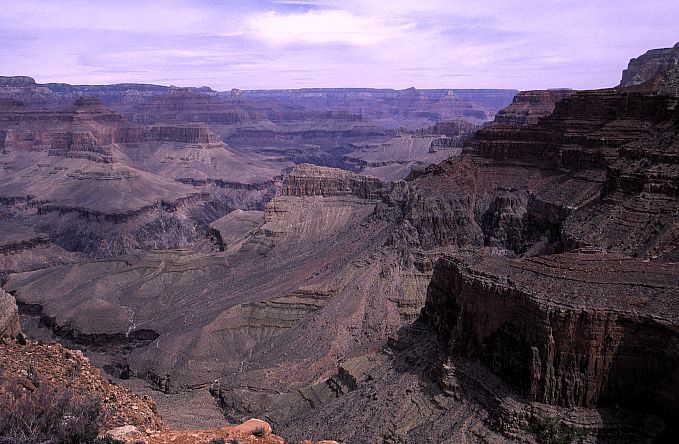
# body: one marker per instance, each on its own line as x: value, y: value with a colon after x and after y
x: 518, y: 44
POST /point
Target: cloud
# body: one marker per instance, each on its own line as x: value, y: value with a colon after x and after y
x: 125, y: 15
x: 323, y: 27
x: 521, y: 44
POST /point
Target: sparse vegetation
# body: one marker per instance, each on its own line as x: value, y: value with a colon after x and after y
x: 259, y: 432
x: 108, y: 439
x: 21, y: 340
x: 48, y: 415
x: 550, y: 430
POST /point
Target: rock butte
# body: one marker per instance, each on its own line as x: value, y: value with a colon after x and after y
x: 532, y: 273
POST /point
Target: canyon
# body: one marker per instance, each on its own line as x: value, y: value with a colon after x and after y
x: 357, y: 264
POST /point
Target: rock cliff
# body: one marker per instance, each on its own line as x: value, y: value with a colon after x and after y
x: 571, y: 329
x: 311, y: 180
x: 9, y: 315
x: 529, y: 106
x: 649, y: 65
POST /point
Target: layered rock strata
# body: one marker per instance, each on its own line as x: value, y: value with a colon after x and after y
x: 529, y: 106
x: 593, y: 328
x: 311, y: 180
x: 649, y: 65
x: 342, y: 262
x: 572, y: 329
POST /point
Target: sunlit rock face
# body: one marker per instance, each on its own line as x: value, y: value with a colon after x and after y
x: 649, y: 65
x: 9, y: 315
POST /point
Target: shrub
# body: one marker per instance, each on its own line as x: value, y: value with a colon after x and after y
x: 21, y: 340
x: 108, y: 439
x: 259, y: 432
x: 47, y: 415
x: 550, y: 430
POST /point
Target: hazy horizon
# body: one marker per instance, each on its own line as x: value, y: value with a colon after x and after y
x: 332, y: 44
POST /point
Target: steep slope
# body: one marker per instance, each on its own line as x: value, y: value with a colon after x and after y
x: 301, y: 242
x: 27, y: 368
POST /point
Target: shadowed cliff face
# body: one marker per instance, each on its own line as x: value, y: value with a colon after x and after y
x: 572, y: 329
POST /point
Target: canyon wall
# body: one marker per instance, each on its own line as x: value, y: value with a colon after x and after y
x: 572, y: 330
x: 591, y: 322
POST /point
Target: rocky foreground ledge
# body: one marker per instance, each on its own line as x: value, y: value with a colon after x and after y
x: 25, y: 366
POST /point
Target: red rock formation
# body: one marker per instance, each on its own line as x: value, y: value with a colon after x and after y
x: 33, y: 362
